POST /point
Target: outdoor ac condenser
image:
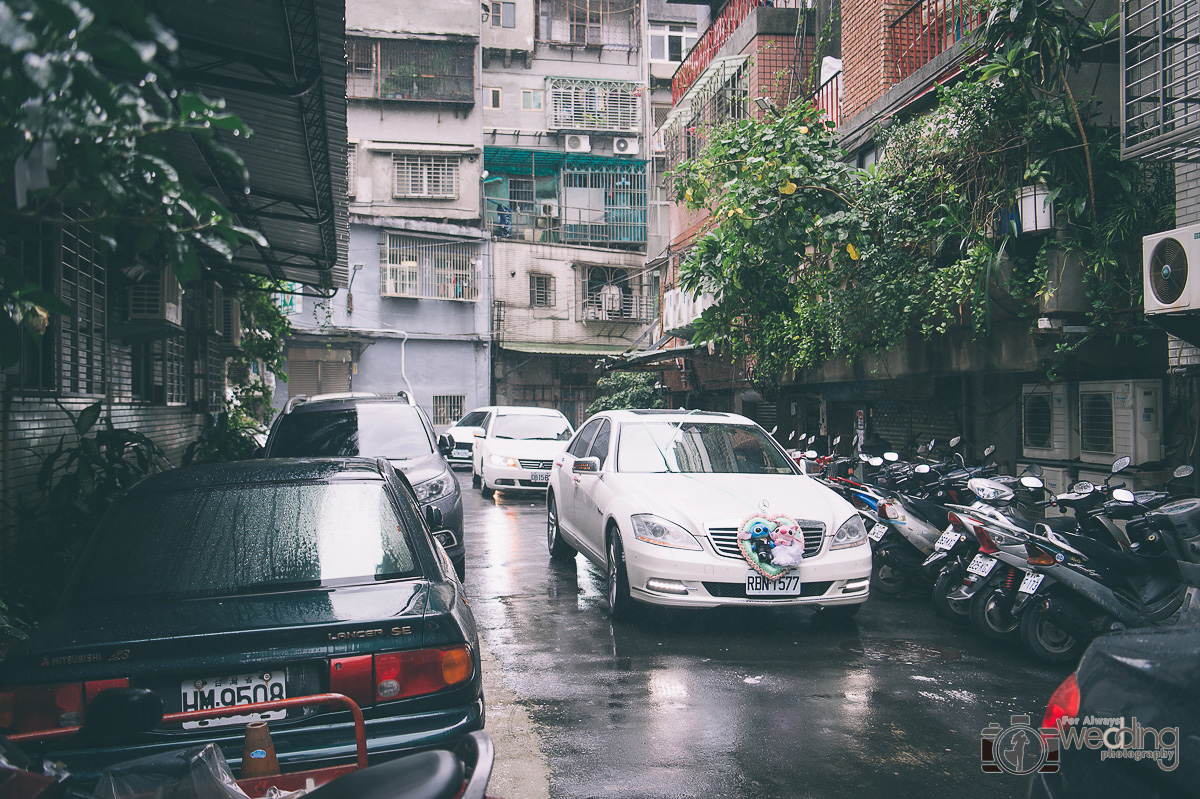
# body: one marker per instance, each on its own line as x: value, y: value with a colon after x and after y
x: 1118, y: 418
x: 1167, y: 261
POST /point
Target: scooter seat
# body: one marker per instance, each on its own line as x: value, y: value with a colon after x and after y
x: 425, y: 775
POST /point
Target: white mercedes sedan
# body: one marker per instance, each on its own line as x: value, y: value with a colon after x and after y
x: 699, y: 509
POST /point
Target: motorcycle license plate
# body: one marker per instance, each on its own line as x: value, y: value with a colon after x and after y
x: 877, y: 531
x: 1031, y: 582
x: 539, y: 477
x: 947, y: 540
x: 461, y: 453
x: 231, y: 691
x: 981, y: 565
x: 785, y: 585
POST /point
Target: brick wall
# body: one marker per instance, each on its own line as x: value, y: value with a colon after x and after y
x: 1187, y: 194
x: 867, y: 71
x: 775, y: 61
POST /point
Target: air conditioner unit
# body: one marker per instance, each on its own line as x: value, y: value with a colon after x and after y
x: 548, y: 210
x: 231, y: 327
x: 1166, y: 260
x: 1118, y: 418
x: 626, y: 145
x: 158, y: 298
x: 1045, y: 422
x: 578, y: 144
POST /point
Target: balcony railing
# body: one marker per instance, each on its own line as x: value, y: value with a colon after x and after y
x: 548, y: 221
x: 710, y: 44
x: 929, y: 28
x: 828, y: 98
x: 634, y: 305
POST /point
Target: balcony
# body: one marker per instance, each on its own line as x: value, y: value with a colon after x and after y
x: 410, y: 69
x: 928, y: 28
x: 828, y: 98
x: 710, y: 44
x: 428, y: 269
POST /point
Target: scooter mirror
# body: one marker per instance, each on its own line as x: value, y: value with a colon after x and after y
x: 1030, y: 481
x: 876, y: 461
x: 955, y: 441
x: 837, y: 440
x: 921, y: 449
x: 1120, y: 464
x: 932, y: 444
x: 811, y: 439
x: 990, y: 449
x: 1123, y: 495
x: 922, y: 468
x: 891, y: 457
x: 1034, y: 469
x: 1184, y: 471
x: 812, y: 453
x: 1082, y: 487
x: 862, y: 456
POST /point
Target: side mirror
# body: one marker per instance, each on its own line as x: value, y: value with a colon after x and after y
x: 1120, y: 464
x: 954, y: 442
x: 1183, y: 471
x: 1123, y: 495
x: 1034, y: 469
x: 433, y: 517
x: 891, y: 457
x: 876, y: 461
x: 479, y: 434
x: 865, y: 458
x: 1030, y: 481
x: 586, y: 466
x: 812, y: 453
x: 921, y: 449
x: 811, y: 439
x: 932, y: 444
x: 990, y: 449
x: 922, y: 468
x: 837, y: 440
x: 445, y: 445
x: 446, y: 538
x: 121, y: 713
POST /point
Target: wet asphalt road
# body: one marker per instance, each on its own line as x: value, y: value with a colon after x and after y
x: 733, y: 702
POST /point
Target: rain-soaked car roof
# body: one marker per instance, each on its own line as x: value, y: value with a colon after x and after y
x: 271, y: 470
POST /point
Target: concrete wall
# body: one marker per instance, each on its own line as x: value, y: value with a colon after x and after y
x: 519, y: 37
x: 459, y: 17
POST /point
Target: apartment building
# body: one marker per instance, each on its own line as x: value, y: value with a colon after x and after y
x: 566, y: 193
x: 415, y: 314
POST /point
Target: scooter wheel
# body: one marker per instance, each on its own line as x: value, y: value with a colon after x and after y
x: 886, y: 579
x: 1048, y: 642
x: 989, y: 617
x: 957, y: 611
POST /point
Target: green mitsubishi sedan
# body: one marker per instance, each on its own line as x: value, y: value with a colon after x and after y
x: 225, y: 585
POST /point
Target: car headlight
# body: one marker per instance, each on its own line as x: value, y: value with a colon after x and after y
x: 852, y: 533
x: 432, y: 489
x: 500, y: 460
x: 656, y: 530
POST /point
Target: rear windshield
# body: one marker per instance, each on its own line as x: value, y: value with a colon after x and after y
x: 551, y: 428
x: 372, y: 430
x: 251, y: 539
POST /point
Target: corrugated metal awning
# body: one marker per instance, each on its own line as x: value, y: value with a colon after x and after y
x: 280, y: 66
x: 553, y: 348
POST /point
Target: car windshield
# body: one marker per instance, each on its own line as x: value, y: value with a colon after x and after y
x: 372, y: 430
x: 546, y: 428
x: 698, y: 447
x: 243, y: 539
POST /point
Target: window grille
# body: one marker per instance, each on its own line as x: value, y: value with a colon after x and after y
x: 520, y: 195
x: 432, y: 176
x: 82, y: 333
x: 410, y: 69
x: 175, y: 377
x: 1161, y: 114
x: 541, y: 291
x: 589, y: 23
x: 720, y: 95
x: 423, y: 268
x: 37, y: 250
x: 604, y: 206
x: 447, y: 408
x: 351, y: 168
x: 581, y: 104
x: 614, y: 293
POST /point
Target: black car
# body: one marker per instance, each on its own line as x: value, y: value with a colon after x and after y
x: 226, y: 584
x: 377, y: 426
x: 1136, y: 702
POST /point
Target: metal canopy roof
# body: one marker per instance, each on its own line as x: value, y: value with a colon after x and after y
x: 280, y: 65
x: 563, y: 348
x: 543, y: 163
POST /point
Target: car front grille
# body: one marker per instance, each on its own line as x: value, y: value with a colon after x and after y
x: 724, y: 539
x: 467, y: 445
x: 536, y: 464
x: 738, y: 590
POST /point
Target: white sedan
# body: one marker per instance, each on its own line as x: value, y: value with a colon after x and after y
x: 516, y: 448
x: 682, y: 508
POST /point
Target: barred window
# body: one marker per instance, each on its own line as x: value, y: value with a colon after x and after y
x: 447, y: 408
x: 429, y: 269
x: 579, y: 104
x: 351, y: 168
x: 590, y: 23
x: 83, y: 333
x: 520, y: 195
x: 541, y: 291
x: 432, y: 176
x: 158, y: 372
x: 410, y: 69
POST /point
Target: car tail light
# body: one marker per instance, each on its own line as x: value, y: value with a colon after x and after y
x: 352, y: 676
x: 1064, y: 703
x: 41, y: 707
x: 986, y: 545
x: 401, y: 675
x: 1037, y: 556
